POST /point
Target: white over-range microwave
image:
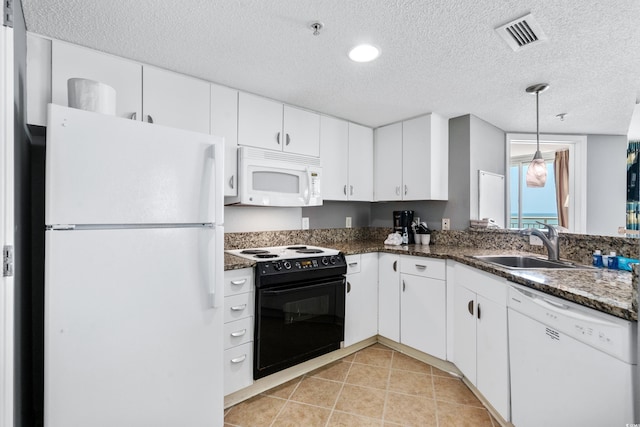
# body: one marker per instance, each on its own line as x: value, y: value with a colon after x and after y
x: 275, y: 178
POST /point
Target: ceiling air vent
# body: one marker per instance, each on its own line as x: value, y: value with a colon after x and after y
x: 522, y: 32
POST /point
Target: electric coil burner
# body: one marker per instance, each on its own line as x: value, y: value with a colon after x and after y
x: 300, y: 305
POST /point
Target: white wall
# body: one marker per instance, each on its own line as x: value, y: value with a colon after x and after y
x: 606, y: 184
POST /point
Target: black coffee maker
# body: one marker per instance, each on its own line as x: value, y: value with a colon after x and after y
x: 402, y: 224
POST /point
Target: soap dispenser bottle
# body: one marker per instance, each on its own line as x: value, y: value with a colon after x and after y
x: 597, y: 258
x: 612, y: 261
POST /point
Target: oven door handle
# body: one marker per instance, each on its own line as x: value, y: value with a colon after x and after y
x: 295, y: 289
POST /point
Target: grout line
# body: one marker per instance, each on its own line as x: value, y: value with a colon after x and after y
x: 435, y: 400
x: 386, y: 393
x: 287, y: 400
x: 344, y: 381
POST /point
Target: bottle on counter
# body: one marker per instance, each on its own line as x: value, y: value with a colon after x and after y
x: 612, y: 261
x: 597, y: 258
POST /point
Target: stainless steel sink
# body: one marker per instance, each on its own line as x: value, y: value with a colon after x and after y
x: 526, y: 262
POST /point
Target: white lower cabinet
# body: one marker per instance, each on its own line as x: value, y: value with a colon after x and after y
x: 238, y: 329
x: 412, y: 302
x: 480, y: 334
x: 389, y: 296
x: 423, y: 322
x: 361, y: 310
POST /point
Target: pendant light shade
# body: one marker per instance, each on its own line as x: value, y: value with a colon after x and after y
x: 537, y: 171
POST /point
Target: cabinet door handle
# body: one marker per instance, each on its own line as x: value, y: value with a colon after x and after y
x: 239, y: 359
x: 231, y: 183
x: 134, y: 116
x: 478, y: 311
x: 238, y: 333
x: 238, y: 307
x: 288, y: 139
x: 395, y: 265
x: 397, y: 190
x: 421, y: 267
x: 404, y: 286
x: 405, y: 190
x: 239, y: 282
x: 470, y: 307
x: 353, y: 264
x: 345, y: 189
x: 351, y: 190
x: 149, y: 119
x: 348, y: 287
x: 278, y: 138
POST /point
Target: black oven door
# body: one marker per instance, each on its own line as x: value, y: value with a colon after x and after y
x: 297, y: 322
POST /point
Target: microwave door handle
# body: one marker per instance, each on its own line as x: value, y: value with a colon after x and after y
x: 307, y: 193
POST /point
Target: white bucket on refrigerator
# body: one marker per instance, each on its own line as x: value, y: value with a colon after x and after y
x: 91, y: 95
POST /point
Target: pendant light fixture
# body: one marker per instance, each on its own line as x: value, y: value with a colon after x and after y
x: 537, y: 171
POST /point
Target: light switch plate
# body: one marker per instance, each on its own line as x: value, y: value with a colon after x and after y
x: 305, y: 222
x: 446, y: 223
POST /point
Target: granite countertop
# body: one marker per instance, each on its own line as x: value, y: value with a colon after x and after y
x: 608, y: 291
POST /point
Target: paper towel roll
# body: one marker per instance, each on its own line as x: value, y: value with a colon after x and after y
x: 91, y: 96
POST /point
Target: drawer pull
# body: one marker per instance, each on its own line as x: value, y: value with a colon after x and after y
x: 239, y: 359
x: 238, y: 333
x: 421, y: 267
x: 353, y: 264
x: 239, y: 282
x: 238, y: 307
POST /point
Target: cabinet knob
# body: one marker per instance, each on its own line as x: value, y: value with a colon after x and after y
x: 395, y: 265
x: 405, y: 190
x: 278, y: 138
x: 478, y: 311
x: 134, y: 116
x: 345, y: 189
x: 231, y: 183
x: 404, y: 286
x: 288, y: 139
x: 348, y: 287
x: 351, y: 190
x: 149, y: 119
x: 397, y: 190
x: 470, y: 307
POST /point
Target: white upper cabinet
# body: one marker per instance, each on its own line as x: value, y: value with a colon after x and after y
x: 411, y: 160
x: 301, y: 131
x: 360, y: 163
x: 69, y: 61
x: 175, y: 100
x: 388, y: 163
x: 347, y: 160
x: 268, y: 124
x: 224, y: 122
x: 334, y: 154
x: 425, y: 160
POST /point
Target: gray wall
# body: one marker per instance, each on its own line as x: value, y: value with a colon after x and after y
x: 606, y: 184
x: 473, y: 145
x: 429, y: 211
x: 333, y: 214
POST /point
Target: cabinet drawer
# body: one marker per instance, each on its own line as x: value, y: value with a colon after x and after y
x: 238, y: 332
x: 425, y: 267
x: 353, y: 264
x: 238, y: 307
x: 238, y: 368
x: 238, y: 281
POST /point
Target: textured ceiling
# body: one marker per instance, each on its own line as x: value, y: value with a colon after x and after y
x: 442, y: 56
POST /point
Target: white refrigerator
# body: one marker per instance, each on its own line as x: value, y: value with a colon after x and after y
x: 133, y: 273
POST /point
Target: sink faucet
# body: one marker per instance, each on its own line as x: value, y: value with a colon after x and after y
x: 551, y: 242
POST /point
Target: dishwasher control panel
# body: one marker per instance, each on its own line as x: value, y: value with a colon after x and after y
x: 565, y: 319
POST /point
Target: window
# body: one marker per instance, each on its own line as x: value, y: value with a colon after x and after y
x: 529, y: 206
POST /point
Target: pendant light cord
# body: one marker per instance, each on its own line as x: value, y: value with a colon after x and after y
x: 537, y: 122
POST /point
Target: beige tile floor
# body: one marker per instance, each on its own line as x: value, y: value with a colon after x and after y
x: 376, y: 386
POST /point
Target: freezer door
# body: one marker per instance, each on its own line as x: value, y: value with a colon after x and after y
x: 130, y: 338
x: 102, y: 169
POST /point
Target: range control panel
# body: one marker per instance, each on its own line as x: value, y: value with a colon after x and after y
x: 270, y: 273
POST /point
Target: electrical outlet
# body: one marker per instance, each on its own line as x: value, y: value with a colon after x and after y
x: 446, y: 223
x: 348, y: 222
x: 305, y: 222
x: 535, y: 240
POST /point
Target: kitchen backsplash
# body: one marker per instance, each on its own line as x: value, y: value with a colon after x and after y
x: 575, y: 247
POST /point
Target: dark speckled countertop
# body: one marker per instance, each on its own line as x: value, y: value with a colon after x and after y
x: 601, y: 289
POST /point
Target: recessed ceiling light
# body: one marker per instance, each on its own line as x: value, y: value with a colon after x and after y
x: 364, y: 53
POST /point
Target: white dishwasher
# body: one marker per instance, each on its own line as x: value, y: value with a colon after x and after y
x: 570, y: 365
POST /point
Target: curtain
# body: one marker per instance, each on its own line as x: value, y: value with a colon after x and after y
x: 633, y: 186
x: 561, y: 170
